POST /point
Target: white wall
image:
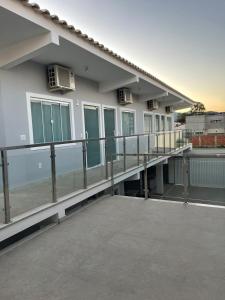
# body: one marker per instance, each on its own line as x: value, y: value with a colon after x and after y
x: 31, y: 77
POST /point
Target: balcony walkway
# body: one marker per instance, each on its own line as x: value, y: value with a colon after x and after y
x: 34, y: 195
x: 122, y: 248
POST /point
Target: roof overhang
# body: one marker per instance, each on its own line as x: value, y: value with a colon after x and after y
x: 27, y: 34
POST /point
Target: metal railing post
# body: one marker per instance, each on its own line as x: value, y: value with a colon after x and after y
x: 84, y: 150
x: 174, y: 142
x: 53, y: 172
x: 186, y: 136
x: 164, y: 142
x: 5, y: 178
x: 106, y: 160
x: 170, y: 141
x: 145, y: 177
x: 185, y: 178
x: 157, y: 142
x: 138, y: 150
x: 124, y: 155
x: 180, y: 139
x: 112, y: 176
x: 149, y: 146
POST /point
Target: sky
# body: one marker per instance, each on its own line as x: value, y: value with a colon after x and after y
x: 182, y: 42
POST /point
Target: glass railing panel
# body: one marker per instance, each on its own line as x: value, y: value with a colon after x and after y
x: 118, y: 164
x: 156, y: 148
x: 1, y: 198
x: 185, y: 137
x: 161, y: 142
x: 131, y: 148
x: 144, y: 143
x: 144, y: 146
x: 179, y: 139
x: 168, y: 145
x: 152, y: 142
x: 173, y: 140
x: 95, y: 162
x: 207, y: 180
x: 69, y: 169
x: 198, y: 179
x: 29, y: 172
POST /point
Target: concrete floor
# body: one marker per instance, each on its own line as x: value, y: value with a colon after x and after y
x: 122, y: 248
x: 196, y: 194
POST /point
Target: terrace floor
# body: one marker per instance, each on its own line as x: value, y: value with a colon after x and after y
x: 122, y: 248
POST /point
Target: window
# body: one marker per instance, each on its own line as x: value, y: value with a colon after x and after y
x: 127, y: 123
x: 215, y: 121
x: 157, y: 123
x: 162, y: 123
x: 147, y: 123
x: 50, y: 121
x: 169, y: 124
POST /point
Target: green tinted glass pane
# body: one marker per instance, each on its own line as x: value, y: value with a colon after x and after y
x: 109, y: 122
x: 92, y: 131
x: 131, y: 123
x: 148, y: 123
x: 125, y: 123
x: 66, y: 128
x: 162, y: 123
x: 169, y: 124
x: 128, y: 123
x: 157, y: 123
x: 37, y: 122
x: 47, y: 122
x: 56, y: 123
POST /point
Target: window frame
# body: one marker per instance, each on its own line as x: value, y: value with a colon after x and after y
x: 155, y: 126
x: 100, y: 121
x: 128, y: 110
x: 153, y: 121
x: 167, y: 123
x: 32, y: 97
x: 162, y: 123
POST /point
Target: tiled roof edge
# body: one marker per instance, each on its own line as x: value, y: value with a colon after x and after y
x: 46, y: 13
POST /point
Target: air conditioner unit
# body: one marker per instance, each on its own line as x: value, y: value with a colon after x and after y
x: 60, y: 78
x: 169, y: 109
x: 124, y: 96
x: 152, y: 104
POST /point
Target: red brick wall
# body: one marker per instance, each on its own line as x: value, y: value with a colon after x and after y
x: 211, y: 140
x: 221, y: 140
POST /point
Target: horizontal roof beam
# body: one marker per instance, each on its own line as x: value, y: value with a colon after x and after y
x: 26, y: 49
x: 172, y: 102
x: 153, y: 97
x: 109, y: 86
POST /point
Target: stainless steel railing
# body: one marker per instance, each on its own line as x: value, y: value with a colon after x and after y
x: 162, y: 143
x: 185, y: 192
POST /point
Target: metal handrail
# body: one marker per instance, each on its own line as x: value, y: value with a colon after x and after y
x: 37, y: 145
x: 52, y: 148
x: 171, y: 154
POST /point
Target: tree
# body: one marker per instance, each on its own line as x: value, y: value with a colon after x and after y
x: 198, y: 107
x: 181, y: 118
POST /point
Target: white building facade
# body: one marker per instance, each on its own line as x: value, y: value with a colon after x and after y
x: 30, y: 113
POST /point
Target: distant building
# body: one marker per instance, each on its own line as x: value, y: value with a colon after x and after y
x: 207, y: 123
